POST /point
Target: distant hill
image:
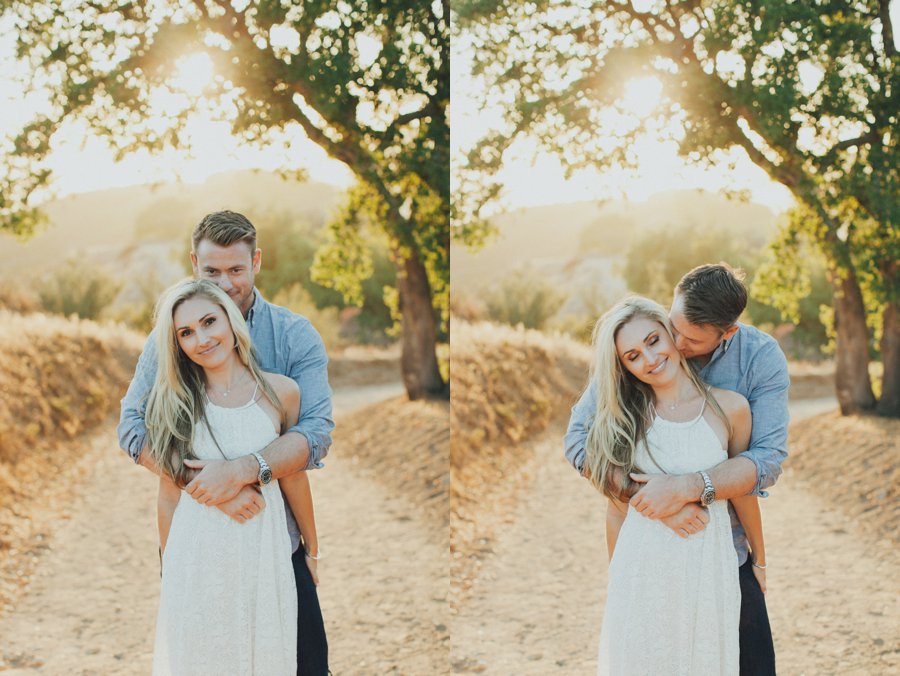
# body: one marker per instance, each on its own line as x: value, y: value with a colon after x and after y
x: 568, y: 242
x: 103, y: 225
x: 142, y: 233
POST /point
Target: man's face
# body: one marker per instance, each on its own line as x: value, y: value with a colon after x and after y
x: 694, y: 340
x: 231, y: 268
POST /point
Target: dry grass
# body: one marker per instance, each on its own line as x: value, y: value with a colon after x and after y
x: 811, y: 380
x: 359, y: 365
x: 508, y: 386
x: 853, y: 463
x: 59, y: 379
x: 403, y: 445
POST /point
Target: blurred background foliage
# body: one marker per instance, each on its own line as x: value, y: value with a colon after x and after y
x: 138, y: 245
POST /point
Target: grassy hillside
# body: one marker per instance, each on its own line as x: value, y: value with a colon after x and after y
x: 403, y: 445
x: 102, y: 226
x: 137, y: 239
x: 508, y: 387
x: 59, y: 378
x: 552, y: 238
x: 852, y: 463
x: 60, y: 382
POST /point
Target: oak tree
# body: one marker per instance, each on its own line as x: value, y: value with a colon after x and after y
x: 807, y: 90
x: 367, y: 81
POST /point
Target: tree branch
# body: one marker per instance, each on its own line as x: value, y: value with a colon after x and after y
x: 887, y: 28
x: 430, y: 109
x: 867, y: 138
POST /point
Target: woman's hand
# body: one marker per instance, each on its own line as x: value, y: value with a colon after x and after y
x: 312, y: 565
x: 245, y: 505
x: 690, y: 520
x: 760, y: 575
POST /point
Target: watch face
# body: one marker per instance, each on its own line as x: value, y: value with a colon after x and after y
x: 265, y: 476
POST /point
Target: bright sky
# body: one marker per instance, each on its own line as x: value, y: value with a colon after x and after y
x: 81, y: 162
x: 531, y: 177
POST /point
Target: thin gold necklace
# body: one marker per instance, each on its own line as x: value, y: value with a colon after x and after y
x: 225, y: 392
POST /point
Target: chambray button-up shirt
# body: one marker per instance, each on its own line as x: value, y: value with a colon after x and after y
x: 751, y: 363
x: 285, y: 343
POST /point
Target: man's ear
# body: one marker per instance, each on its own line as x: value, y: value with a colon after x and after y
x: 730, y: 332
x: 194, y: 264
x: 257, y: 261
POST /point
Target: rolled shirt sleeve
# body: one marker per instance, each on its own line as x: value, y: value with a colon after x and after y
x: 768, y: 399
x: 579, y: 425
x: 131, y: 430
x: 308, y: 367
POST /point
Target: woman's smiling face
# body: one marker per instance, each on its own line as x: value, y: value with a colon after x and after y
x: 203, y: 331
x: 646, y: 351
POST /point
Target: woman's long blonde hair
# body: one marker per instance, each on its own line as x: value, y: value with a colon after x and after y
x: 177, y: 401
x: 625, y: 403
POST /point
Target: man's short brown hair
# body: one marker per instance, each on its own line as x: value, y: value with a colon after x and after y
x: 224, y: 228
x: 713, y: 294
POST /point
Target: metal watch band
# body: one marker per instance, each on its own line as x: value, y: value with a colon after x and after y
x: 265, y: 472
x: 709, y: 492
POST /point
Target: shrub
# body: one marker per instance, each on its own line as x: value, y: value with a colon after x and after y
x: 326, y: 321
x: 524, y: 298
x: 18, y: 297
x: 78, y: 288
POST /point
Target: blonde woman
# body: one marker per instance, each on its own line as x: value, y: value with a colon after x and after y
x: 228, y: 598
x: 673, y: 603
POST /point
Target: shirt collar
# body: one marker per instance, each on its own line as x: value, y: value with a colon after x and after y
x: 720, y: 351
x: 257, y: 303
x: 723, y: 346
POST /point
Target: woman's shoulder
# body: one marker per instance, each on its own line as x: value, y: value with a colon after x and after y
x: 734, y: 404
x: 284, y: 387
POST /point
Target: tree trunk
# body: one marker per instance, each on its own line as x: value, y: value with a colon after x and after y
x: 418, y: 360
x: 889, y: 404
x: 854, y: 387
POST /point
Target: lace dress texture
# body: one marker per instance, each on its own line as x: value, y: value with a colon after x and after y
x: 228, y: 600
x: 673, y: 604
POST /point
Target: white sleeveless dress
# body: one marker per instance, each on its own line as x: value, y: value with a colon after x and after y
x: 228, y: 599
x: 673, y: 604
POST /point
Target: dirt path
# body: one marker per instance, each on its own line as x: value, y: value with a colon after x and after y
x: 91, y: 606
x: 834, y: 598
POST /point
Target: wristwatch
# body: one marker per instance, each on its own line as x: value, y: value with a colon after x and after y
x: 265, y: 472
x: 708, y: 496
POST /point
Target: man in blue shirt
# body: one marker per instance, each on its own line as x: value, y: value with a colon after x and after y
x: 224, y: 252
x: 730, y: 355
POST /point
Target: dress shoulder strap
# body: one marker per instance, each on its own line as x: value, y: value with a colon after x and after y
x: 702, y: 409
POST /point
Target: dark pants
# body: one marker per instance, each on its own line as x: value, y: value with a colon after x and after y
x: 757, y: 651
x: 312, y: 645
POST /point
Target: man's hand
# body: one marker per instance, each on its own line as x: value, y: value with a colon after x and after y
x: 663, y: 495
x: 691, y: 519
x: 245, y: 505
x: 218, y: 480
